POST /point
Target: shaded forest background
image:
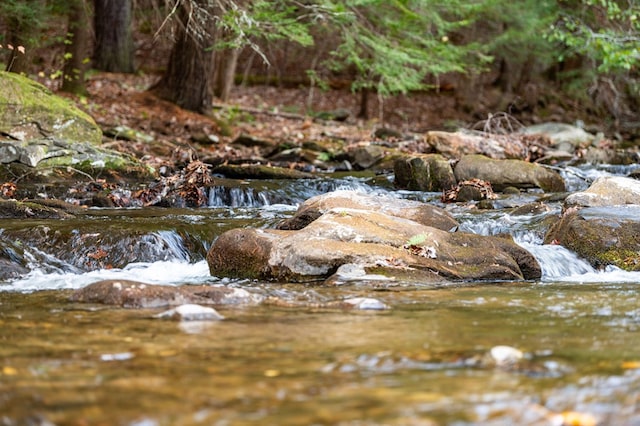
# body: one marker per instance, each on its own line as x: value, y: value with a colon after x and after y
x: 411, y: 64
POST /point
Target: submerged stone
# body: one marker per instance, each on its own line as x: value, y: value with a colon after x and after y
x: 135, y: 294
x: 191, y: 312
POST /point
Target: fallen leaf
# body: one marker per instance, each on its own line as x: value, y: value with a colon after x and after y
x: 9, y: 371
x: 574, y: 418
x: 631, y: 365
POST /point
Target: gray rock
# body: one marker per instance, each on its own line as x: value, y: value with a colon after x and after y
x: 565, y: 137
x: 505, y: 173
x: 607, y: 191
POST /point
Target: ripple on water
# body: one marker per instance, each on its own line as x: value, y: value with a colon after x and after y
x: 161, y: 272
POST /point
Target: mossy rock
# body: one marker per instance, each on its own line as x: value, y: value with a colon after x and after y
x: 600, y: 239
x: 12, y: 209
x: 259, y: 171
x: 424, y: 172
x: 28, y: 110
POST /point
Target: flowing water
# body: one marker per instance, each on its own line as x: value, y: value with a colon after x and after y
x: 425, y: 361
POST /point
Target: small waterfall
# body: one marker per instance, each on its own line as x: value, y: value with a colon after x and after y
x: 174, y: 242
x: 557, y: 262
x: 265, y: 193
x: 222, y: 196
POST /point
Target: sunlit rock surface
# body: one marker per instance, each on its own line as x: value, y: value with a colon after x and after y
x: 425, y: 214
x: 380, y: 242
x: 607, y: 191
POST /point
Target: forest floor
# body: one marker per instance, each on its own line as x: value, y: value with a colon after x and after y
x: 284, y: 114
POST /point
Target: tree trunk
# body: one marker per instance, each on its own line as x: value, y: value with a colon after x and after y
x: 364, y: 104
x: 187, y: 79
x: 227, y: 63
x: 114, y: 43
x: 75, y: 65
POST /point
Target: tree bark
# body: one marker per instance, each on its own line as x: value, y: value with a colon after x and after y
x: 364, y: 104
x: 226, y: 72
x: 114, y: 43
x: 75, y: 65
x: 187, y: 79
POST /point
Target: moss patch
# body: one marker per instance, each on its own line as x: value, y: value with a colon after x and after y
x: 30, y: 108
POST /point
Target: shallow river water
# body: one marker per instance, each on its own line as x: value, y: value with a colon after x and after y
x: 425, y: 361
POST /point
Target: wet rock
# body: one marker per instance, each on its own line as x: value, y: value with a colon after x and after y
x: 530, y: 208
x: 259, y: 171
x: 504, y: 356
x: 601, y: 235
x: 12, y: 209
x: 426, y: 172
x: 461, y: 143
x: 373, y: 240
x: 607, y: 191
x: 191, y: 312
x: 134, y: 294
x: 10, y: 269
x: 506, y: 173
x: 365, y: 304
x: 89, y: 246
x: 313, y: 208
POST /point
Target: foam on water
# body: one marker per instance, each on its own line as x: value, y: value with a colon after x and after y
x: 173, y: 272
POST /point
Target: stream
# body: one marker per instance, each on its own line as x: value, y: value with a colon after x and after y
x: 425, y: 361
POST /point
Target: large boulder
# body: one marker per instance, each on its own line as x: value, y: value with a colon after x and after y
x: 424, y: 172
x: 602, y: 223
x: 313, y: 208
x: 40, y: 129
x: 31, y: 112
x: 374, y: 240
x: 508, y: 173
x: 607, y: 191
x: 601, y: 235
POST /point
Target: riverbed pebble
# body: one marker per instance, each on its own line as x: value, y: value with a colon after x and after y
x: 191, y: 312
